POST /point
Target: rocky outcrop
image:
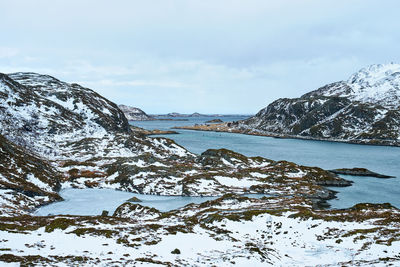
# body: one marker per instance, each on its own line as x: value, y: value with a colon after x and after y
x: 364, y: 109
x: 143, y: 131
x: 360, y: 172
x: 136, y: 211
x: 135, y: 114
x: 214, y: 121
x: 26, y: 181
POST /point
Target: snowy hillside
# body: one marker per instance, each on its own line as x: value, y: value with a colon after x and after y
x: 364, y: 109
x: 376, y: 84
x: 26, y: 181
x: 38, y: 111
x: 134, y: 114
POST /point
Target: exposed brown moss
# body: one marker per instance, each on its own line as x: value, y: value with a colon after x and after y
x: 31, y: 260
x: 59, y: 223
x: 150, y: 260
x: 76, y: 173
x: 94, y: 231
x: 69, y: 163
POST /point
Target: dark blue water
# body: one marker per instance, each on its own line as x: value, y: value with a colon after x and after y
x: 327, y: 155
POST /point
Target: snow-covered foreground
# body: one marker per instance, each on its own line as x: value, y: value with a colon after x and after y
x: 231, y: 230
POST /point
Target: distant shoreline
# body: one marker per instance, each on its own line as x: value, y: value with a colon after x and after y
x: 185, y: 117
x: 222, y: 127
x: 179, y: 115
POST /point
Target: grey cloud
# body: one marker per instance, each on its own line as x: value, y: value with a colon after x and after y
x: 208, y: 56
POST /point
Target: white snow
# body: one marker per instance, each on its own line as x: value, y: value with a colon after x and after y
x: 378, y: 84
x: 231, y: 181
x: 69, y: 104
x: 295, y: 174
x: 258, y: 175
x: 34, y: 180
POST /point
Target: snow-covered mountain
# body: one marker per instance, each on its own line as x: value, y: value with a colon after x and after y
x: 364, y: 109
x: 134, y: 114
x: 376, y: 84
x: 39, y: 111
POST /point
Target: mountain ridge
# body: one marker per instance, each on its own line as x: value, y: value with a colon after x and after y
x: 134, y: 114
x: 363, y: 109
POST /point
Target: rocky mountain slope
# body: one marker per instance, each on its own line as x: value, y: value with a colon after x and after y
x: 134, y: 114
x: 39, y: 111
x: 364, y: 109
x: 26, y: 181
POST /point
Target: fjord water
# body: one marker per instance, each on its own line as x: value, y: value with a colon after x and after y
x: 327, y: 155
x: 94, y: 201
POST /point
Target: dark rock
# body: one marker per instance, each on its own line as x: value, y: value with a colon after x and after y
x: 336, y: 183
x: 214, y: 121
x: 104, y: 213
x: 176, y: 251
x: 134, y: 199
x: 213, y: 157
x: 360, y: 172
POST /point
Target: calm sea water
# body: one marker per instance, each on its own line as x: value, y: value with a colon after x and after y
x: 327, y: 155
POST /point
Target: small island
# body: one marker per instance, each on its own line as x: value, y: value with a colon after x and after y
x: 214, y: 121
x: 360, y: 172
x: 134, y: 199
x: 139, y: 130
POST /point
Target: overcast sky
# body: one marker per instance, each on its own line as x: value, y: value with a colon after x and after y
x: 209, y: 56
